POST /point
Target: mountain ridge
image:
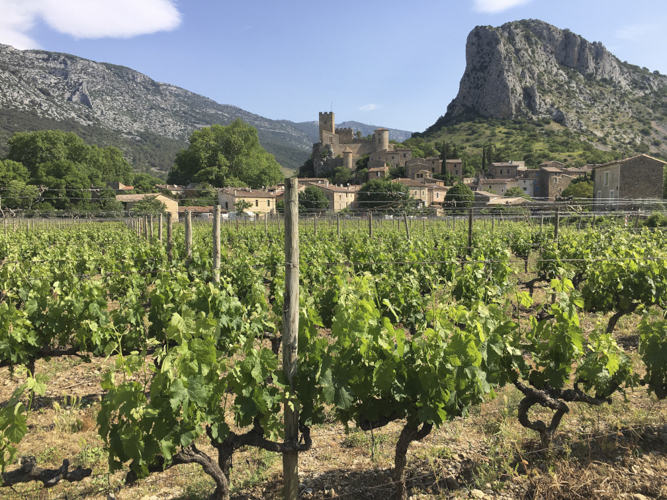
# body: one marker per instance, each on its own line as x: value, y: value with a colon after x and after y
x: 39, y: 86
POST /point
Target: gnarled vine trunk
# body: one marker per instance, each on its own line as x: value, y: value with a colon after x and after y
x: 408, y: 435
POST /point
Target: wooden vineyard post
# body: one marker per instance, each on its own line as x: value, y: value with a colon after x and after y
x: 170, y: 243
x: 159, y: 228
x: 636, y: 221
x: 266, y: 224
x: 469, y: 230
x: 556, y: 224
x: 424, y: 225
x: 290, y: 332
x: 188, y: 234
x: 216, y: 245
x: 407, y: 228
x: 151, y: 228
x: 493, y: 222
x: 315, y: 226
x: 593, y: 223
x: 370, y: 224
x: 146, y: 227
x: 338, y: 225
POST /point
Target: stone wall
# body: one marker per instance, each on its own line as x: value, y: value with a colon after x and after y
x: 641, y: 178
x: 345, y: 135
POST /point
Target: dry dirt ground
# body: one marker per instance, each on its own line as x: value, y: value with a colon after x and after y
x: 616, y: 451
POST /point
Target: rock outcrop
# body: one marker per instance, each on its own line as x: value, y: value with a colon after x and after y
x: 532, y: 69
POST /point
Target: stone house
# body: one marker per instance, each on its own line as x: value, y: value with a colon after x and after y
x: 340, y: 197
x: 433, y: 164
x: 418, y: 190
x: 261, y: 201
x: 454, y: 167
x: 552, y: 181
x: 636, y: 178
x: 437, y: 195
x: 504, y: 170
x: 378, y: 172
x: 497, y: 186
x: 527, y: 180
x: 129, y: 200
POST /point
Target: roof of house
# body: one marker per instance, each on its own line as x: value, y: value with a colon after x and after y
x: 496, y: 181
x: 410, y: 182
x: 552, y: 163
x: 435, y: 187
x: 347, y: 150
x: 454, y: 161
x: 170, y: 186
x: 249, y: 193
x: 551, y: 169
x: 627, y: 159
x: 503, y: 164
x: 197, y: 210
x: 131, y: 198
x: 486, y: 193
x: 378, y: 169
x: 502, y: 200
x: 381, y: 128
x: 340, y: 189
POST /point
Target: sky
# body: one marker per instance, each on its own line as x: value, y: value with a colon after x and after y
x: 388, y: 63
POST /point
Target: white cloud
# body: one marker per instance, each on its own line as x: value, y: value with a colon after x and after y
x: 494, y: 6
x: 368, y: 107
x: 85, y: 18
x: 635, y: 31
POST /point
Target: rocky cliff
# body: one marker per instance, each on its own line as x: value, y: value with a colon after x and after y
x: 47, y: 88
x: 532, y: 69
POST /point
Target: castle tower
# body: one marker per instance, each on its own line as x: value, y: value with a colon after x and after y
x: 381, y: 139
x: 347, y: 158
x: 327, y: 124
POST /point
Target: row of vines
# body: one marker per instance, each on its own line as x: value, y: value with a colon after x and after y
x: 415, y: 330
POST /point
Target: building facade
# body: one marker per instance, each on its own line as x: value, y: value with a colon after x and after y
x: 637, y: 178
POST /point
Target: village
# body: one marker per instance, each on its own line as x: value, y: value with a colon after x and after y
x: 634, y: 179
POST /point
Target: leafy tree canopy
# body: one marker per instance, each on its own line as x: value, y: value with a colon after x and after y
x: 36, y: 149
x: 12, y: 171
x: 580, y: 189
x: 149, y: 205
x: 516, y: 192
x: 224, y: 156
x: 385, y: 195
x: 460, y: 196
x: 312, y: 200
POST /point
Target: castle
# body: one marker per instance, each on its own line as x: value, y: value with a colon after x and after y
x: 339, y: 148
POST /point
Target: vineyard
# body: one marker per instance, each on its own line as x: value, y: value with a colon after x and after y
x: 441, y: 358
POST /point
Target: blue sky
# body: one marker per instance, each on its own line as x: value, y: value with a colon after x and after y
x: 390, y: 63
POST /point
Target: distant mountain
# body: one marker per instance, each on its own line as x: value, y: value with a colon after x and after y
x: 113, y: 105
x: 534, y: 71
x: 312, y: 129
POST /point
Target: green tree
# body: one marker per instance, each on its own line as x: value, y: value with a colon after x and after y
x: 12, y: 171
x: 145, y: 183
x: 579, y: 188
x: 223, y: 156
x: 516, y: 192
x: 313, y: 200
x: 108, y: 203
x: 18, y: 194
x: 460, y: 196
x: 385, y: 195
x: 35, y: 149
x: 149, y: 205
x: 307, y: 169
x: 341, y: 175
x: 241, y: 206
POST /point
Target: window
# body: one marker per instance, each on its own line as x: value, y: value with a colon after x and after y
x: 437, y: 195
x: 256, y: 203
x: 268, y: 203
x: 501, y: 171
x: 330, y: 140
x: 226, y: 205
x: 611, y: 194
x: 524, y: 189
x: 606, y: 179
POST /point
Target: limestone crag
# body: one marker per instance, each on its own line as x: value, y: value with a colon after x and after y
x: 65, y: 87
x: 530, y: 68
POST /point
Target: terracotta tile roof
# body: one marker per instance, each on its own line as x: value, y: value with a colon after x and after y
x: 502, y: 164
x: 339, y: 189
x: 454, y: 161
x: 496, y: 181
x: 378, y: 169
x: 551, y: 169
x: 552, y: 163
x: 486, y: 193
